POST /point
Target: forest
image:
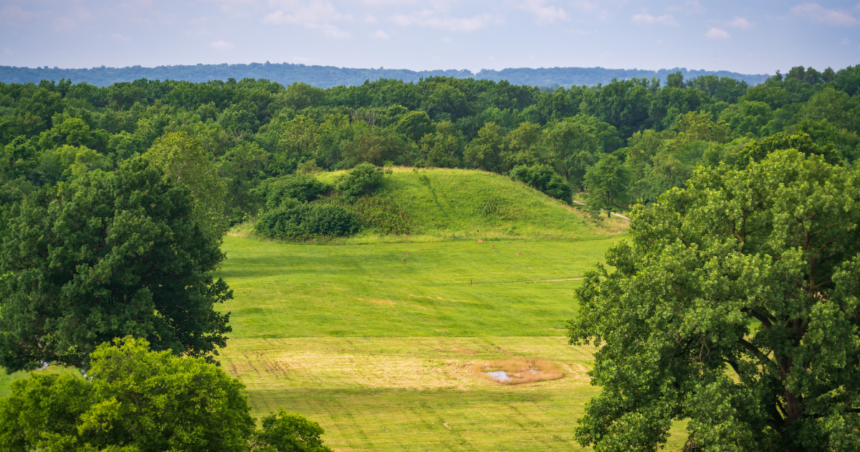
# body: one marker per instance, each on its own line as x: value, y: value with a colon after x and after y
x: 742, y: 250
x: 648, y: 132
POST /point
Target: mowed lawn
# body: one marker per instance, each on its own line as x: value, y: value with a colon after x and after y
x: 380, y: 351
x: 454, y: 289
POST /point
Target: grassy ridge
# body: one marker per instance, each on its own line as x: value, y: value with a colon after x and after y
x: 446, y: 204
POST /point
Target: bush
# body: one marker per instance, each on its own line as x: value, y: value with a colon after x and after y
x: 288, y: 432
x: 136, y: 400
x: 308, y: 221
x: 299, y: 187
x: 361, y: 181
x: 543, y: 178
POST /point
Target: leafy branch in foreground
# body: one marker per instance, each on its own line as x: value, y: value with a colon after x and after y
x: 735, y: 304
x: 135, y: 400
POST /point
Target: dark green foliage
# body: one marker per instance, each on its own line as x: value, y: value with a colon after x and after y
x: 360, y: 181
x: 308, y: 221
x: 245, y: 131
x: 733, y: 306
x: 135, y: 400
x: 415, y: 125
x: 608, y: 184
x: 544, y: 179
x: 802, y: 142
x: 299, y: 187
x: 289, y: 432
x: 108, y: 255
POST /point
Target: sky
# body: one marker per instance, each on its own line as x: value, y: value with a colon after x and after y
x: 747, y: 36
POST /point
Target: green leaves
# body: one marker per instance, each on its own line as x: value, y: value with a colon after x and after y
x: 108, y: 255
x: 734, y: 305
x: 137, y: 400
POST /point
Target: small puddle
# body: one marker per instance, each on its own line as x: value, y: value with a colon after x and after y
x: 499, y: 375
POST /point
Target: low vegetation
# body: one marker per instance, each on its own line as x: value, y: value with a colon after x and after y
x: 135, y: 400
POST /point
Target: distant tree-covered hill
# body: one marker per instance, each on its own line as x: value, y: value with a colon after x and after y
x: 329, y: 76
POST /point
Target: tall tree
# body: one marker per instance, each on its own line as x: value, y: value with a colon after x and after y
x: 573, y: 147
x: 108, y: 255
x: 734, y: 305
x: 608, y: 184
x: 184, y: 162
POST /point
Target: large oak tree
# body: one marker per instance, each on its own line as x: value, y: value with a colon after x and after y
x: 735, y: 304
x: 108, y: 255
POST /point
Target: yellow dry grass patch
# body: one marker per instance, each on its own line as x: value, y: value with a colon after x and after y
x: 392, y: 363
x: 518, y: 371
x: 378, y: 301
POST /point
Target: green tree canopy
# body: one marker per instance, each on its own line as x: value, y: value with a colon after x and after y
x: 184, y: 162
x: 735, y: 304
x: 135, y: 400
x: 573, y: 147
x: 544, y: 179
x: 108, y: 255
x: 608, y: 184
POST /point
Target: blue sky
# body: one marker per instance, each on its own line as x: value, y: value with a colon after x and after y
x: 749, y: 36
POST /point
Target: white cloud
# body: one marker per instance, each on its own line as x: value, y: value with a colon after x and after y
x: 542, y: 12
x: 740, y: 22
x: 313, y: 15
x: 381, y: 34
x: 119, y: 37
x: 665, y: 19
x: 221, y: 45
x: 295, y: 12
x: 446, y: 39
x: 846, y: 41
x: 819, y: 14
x: 716, y: 33
x: 432, y: 19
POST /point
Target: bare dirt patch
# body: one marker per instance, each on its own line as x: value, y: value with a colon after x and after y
x: 518, y: 371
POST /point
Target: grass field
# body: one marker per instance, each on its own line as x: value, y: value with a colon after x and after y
x: 375, y: 337
x: 379, y: 351
x: 450, y: 289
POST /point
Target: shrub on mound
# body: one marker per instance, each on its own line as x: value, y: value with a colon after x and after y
x: 361, y: 181
x: 286, y: 190
x: 544, y: 179
x: 308, y: 221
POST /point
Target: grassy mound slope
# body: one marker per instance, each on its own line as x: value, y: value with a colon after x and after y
x: 456, y: 204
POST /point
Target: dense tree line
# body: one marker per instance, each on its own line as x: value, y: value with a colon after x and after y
x: 240, y: 133
x: 330, y: 76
